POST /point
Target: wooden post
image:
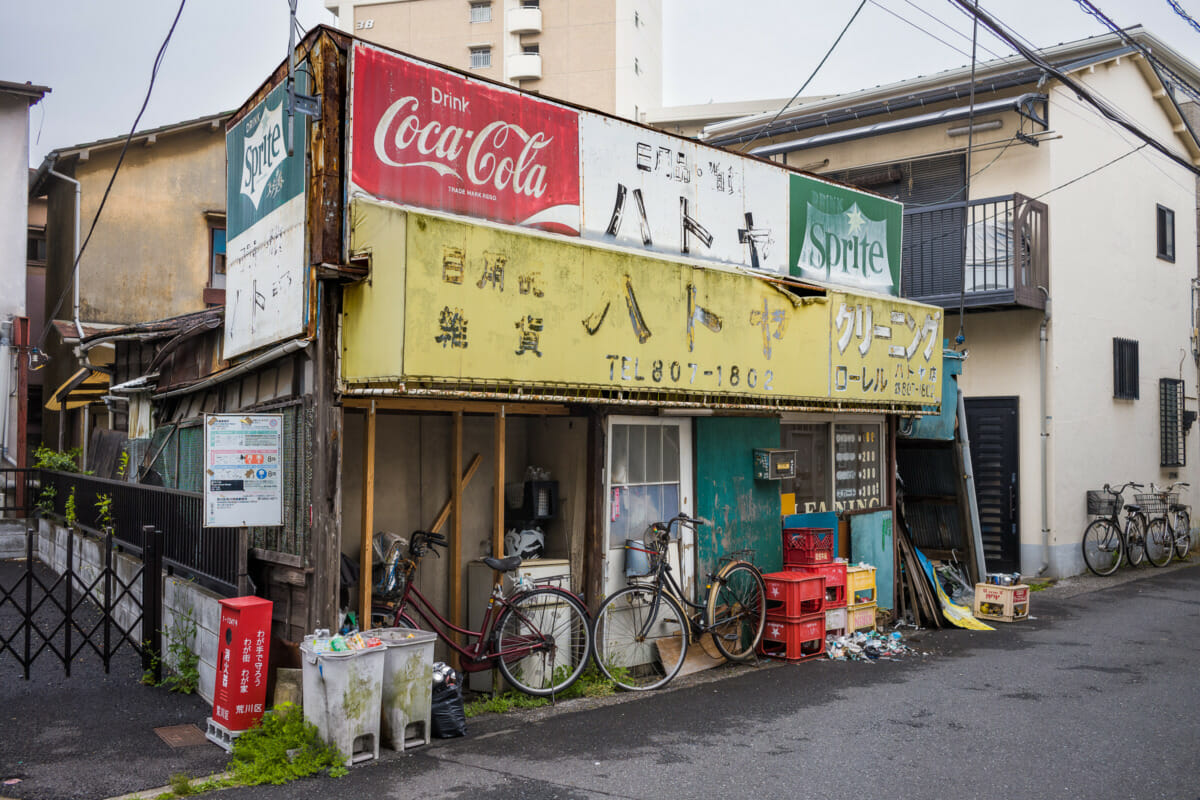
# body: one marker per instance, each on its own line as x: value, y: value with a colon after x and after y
x: 368, y: 521
x: 594, y: 543
x: 456, y: 496
x: 498, y: 518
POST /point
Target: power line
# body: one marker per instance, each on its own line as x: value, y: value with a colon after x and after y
x: 950, y: 27
x: 79, y: 255
x: 1186, y: 16
x: 912, y: 24
x: 828, y: 53
x: 1078, y: 87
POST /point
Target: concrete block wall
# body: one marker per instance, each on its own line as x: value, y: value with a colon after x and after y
x: 180, y: 596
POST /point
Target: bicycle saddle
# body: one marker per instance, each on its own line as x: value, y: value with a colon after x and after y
x: 502, y: 564
x: 1132, y: 507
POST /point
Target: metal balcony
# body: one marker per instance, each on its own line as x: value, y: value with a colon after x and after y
x: 523, y: 19
x: 524, y: 67
x: 1006, y: 253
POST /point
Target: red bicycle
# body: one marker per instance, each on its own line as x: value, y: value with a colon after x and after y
x: 538, y: 635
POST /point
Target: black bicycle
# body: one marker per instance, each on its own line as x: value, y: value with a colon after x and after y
x: 1105, y: 540
x: 641, y: 632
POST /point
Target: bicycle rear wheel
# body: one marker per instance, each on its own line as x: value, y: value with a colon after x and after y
x: 1158, y: 542
x: 1182, y: 525
x: 1135, y: 539
x: 641, y: 638
x: 554, y: 624
x: 737, y: 610
x: 1102, y: 547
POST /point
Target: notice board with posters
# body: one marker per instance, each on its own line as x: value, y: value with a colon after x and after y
x: 243, y: 473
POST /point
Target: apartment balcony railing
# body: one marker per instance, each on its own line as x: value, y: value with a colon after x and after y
x: 1004, y: 261
x: 524, y: 19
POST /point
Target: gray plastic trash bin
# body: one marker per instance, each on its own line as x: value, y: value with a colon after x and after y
x: 343, y: 693
x: 407, y: 686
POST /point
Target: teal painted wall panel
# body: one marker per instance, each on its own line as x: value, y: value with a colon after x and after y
x: 745, y: 512
x: 871, y: 542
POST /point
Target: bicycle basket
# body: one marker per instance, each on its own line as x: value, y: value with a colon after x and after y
x: 1153, y: 504
x: 640, y: 560
x: 1100, y: 503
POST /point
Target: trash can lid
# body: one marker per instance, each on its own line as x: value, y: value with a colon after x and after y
x: 400, y: 637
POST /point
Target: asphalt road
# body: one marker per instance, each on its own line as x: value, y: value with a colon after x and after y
x: 1096, y: 697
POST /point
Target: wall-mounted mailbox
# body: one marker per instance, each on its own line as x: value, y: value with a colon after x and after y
x: 774, y: 464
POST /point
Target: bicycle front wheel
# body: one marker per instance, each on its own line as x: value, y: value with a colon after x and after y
x: 1183, y: 534
x: 737, y: 610
x: 548, y: 630
x: 1135, y: 539
x: 641, y: 638
x: 1158, y: 542
x: 1102, y: 547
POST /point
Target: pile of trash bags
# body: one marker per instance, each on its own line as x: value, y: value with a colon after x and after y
x: 867, y: 646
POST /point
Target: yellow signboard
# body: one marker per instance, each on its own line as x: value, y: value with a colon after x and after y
x: 469, y: 303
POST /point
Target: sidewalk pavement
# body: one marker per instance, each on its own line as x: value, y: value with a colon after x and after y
x: 93, y: 735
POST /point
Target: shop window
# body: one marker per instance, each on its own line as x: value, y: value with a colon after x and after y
x: 1165, y: 219
x: 644, y: 477
x: 481, y: 57
x: 481, y: 12
x: 839, y: 467
x: 1171, y: 425
x: 857, y: 467
x: 1125, y: 369
x: 810, y: 487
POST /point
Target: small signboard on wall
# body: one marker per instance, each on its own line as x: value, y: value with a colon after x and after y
x: 243, y: 470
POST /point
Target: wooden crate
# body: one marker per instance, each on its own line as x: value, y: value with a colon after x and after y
x: 860, y: 584
x: 1001, y: 603
x: 860, y: 617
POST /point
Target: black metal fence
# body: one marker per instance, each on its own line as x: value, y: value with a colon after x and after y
x: 214, y: 557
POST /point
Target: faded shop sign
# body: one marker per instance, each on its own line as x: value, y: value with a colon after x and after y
x: 482, y: 304
x: 428, y: 137
x: 266, y: 284
x: 243, y: 470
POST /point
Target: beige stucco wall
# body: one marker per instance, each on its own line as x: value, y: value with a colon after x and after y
x: 148, y: 257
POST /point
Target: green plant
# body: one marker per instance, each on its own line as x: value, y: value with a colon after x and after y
x: 104, y: 511
x: 70, y: 514
x: 45, y: 502
x: 48, y: 458
x: 181, y: 784
x: 281, y: 748
x: 184, y: 665
x: 123, y: 464
x: 591, y: 683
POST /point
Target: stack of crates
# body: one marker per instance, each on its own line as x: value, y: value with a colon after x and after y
x: 810, y: 551
x: 860, y: 596
x: 798, y: 597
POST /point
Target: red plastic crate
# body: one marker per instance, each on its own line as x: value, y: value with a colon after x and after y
x: 794, y: 594
x: 835, y: 580
x: 807, y: 545
x: 793, y: 639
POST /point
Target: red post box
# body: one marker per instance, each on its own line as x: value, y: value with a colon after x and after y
x: 240, y: 694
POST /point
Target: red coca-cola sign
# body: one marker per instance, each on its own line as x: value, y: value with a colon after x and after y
x: 429, y: 137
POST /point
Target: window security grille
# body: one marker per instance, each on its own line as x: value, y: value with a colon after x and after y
x: 1170, y: 423
x: 1125, y: 369
x: 481, y: 57
x: 481, y: 12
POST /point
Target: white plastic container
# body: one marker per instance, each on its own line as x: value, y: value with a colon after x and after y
x: 407, y: 686
x: 343, y: 694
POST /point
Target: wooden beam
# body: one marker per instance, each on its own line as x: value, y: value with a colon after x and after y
x: 444, y: 514
x: 498, y: 507
x: 594, y: 542
x: 368, y: 522
x: 450, y: 405
x: 456, y: 504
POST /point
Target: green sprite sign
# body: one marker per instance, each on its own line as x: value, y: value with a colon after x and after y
x: 844, y: 237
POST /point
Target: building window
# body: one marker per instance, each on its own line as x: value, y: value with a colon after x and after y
x: 481, y: 57
x: 530, y: 49
x: 1171, y: 423
x: 1166, y: 233
x: 644, y: 478
x: 530, y: 4
x: 481, y: 12
x: 35, y: 252
x: 839, y: 467
x: 1125, y: 369
x: 216, y: 259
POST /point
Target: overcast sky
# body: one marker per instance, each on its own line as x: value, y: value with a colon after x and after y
x: 97, y: 56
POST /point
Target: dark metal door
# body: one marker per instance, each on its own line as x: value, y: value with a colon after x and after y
x: 992, y: 427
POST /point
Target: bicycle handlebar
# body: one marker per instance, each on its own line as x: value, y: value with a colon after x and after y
x: 1125, y: 486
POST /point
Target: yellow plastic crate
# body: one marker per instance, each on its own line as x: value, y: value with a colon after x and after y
x: 860, y: 584
x: 860, y: 617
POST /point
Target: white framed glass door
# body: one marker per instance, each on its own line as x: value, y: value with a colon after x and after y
x: 648, y: 479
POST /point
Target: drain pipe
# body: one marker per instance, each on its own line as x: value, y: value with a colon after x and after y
x: 75, y: 262
x: 1042, y: 338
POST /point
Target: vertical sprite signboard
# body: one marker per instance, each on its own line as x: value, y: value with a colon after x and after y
x: 845, y: 237
x: 243, y: 470
x: 266, y: 285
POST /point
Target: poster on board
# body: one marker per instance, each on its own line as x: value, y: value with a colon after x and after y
x: 243, y: 470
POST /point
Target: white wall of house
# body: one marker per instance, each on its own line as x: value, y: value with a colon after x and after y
x: 14, y: 221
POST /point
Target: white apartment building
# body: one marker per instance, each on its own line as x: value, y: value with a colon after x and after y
x: 603, y: 54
